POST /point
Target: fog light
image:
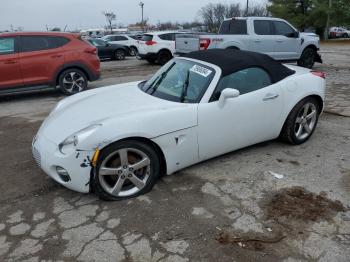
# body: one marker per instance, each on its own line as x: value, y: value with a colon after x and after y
x: 63, y: 174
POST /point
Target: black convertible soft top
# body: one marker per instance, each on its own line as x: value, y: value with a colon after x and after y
x: 230, y: 61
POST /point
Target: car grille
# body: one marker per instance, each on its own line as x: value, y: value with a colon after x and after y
x: 36, y: 156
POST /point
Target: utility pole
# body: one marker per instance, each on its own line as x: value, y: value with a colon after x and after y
x: 328, y: 19
x: 142, y: 4
x: 246, y: 11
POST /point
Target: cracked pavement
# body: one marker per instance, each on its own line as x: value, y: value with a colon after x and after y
x: 181, y: 219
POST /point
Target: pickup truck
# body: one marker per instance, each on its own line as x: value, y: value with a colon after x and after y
x: 272, y: 36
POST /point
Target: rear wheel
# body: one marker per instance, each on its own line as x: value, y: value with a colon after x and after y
x: 345, y: 35
x: 119, y: 54
x: 163, y: 57
x: 301, y: 122
x: 307, y: 58
x: 125, y: 170
x: 72, y: 81
x: 133, y: 51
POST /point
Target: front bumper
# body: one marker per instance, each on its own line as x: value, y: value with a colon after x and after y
x: 77, y: 163
x: 318, y: 58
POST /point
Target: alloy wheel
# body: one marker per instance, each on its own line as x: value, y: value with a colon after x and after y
x: 305, y: 121
x: 74, y: 82
x: 124, y: 172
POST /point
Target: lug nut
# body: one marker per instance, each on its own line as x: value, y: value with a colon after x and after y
x: 119, y: 172
x: 125, y: 167
x: 131, y: 169
x: 130, y: 175
x: 123, y: 177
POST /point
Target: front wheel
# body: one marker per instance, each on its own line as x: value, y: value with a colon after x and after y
x: 72, y: 81
x: 307, y: 58
x: 125, y: 170
x: 301, y: 122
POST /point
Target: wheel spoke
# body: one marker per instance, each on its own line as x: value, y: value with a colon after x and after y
x: 300, y: 130
x: 306, y: 110
x: 298, y: 120
x: 123, y: 155
x: 118, y: 186
x: 307, y: 128
x: 141, y: 164
x: 311, y: 115
x: 137, y: 181
x: 67, y: 81
x: 108, y: 171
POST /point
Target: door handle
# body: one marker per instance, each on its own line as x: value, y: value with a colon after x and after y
x: 257, y: 41
x: 279, y: 41
x: 10, y: 62
x: 56, y: 56
x: 270, y: 97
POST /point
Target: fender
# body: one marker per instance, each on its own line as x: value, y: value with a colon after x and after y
x: 76, y: 64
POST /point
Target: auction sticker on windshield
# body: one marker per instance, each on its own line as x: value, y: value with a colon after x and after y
x: 201, y: 70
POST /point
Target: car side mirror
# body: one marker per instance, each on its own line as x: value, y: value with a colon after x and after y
x: 227, y: 93
x: 295, y: 34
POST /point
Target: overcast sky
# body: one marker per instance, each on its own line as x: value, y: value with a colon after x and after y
x: 82, y: 14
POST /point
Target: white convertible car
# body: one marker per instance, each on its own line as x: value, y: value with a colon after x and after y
x: 117, y: 140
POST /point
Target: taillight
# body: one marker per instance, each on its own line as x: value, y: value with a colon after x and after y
x: 91, y: 50
x: 204, y: 43
x: 151, y: 42
x: 319, y: 73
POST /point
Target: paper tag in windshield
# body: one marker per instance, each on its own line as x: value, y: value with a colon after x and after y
x: 201, y: 70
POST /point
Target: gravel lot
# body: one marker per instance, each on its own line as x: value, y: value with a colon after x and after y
x: 231, y: 208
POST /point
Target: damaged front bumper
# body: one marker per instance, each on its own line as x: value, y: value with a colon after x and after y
x: 76, y: 164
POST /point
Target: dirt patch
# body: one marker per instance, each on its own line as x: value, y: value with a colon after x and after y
x: 248, y: 241
x: 300, y: 204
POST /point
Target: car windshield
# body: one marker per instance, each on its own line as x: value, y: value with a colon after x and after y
x: 181, y: 81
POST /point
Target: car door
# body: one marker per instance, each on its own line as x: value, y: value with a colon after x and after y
x: 10, y: 73
x: 250, y: 118
x: 102, y: 48
x: 168, y: 41
x: 288, y: 41
x: 40, y: 58
x: 264, y: 38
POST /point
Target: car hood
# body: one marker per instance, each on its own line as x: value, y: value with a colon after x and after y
x: 123, y: 107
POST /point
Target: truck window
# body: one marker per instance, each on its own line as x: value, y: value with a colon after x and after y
x: 234, y: 27
x: 263, y: 27
x: 281, y: 28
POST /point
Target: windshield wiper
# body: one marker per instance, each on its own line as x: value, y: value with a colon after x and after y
x: 185, y: 87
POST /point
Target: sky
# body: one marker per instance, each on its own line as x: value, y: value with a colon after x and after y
x: 83, y: 14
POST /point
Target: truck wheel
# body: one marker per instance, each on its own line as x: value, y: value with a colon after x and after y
x: 307, y: 58
x: 163, y: 57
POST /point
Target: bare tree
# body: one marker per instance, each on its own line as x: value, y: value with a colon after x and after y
x: 110, y: 17
x: 214, y: 14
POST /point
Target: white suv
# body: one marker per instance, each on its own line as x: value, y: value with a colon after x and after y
x: 157, y: 47
x: 123, y: 40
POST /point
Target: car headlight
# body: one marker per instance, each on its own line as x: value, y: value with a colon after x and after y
x: 73, y: 140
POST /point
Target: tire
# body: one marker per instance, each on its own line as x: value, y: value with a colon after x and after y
x: 307, y: 58
x: 298, y: 119
x: 122, y: 172
x: 163, y: 57
x: 133, y: 51
x: 72, y: 81
x: 345, y: 35
x: 119, y: 54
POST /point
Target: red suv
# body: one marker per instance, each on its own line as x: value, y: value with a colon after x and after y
x: 36, y: 61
